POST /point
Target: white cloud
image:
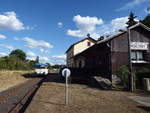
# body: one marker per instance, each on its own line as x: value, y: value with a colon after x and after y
x: 114, y: 26
x: 118, y: 23
x: 31, y: 58
x: 60, y: 24
x: 132, y: 4
x: 2, y: 37
x: 59, y: 57
x: 9, y: 21
x: 15, y: 38
x: 43, y: 59
x: 147, y: 10
x: 31, y: 54
x: 85, y: 25
x: 31, y: 43
x: 7, y: 46
x: 43, y: 50
x: 2, y: 54
x: 108, y: 28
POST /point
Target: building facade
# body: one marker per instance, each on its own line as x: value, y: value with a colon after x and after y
x: 129, y: 46
x: 76, y: 49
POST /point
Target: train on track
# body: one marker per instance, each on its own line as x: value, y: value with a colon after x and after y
x: 41, y: 69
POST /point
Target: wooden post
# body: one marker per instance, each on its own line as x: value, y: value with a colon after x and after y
x: 130, y: 62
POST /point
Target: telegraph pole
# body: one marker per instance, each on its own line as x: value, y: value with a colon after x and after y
x: 131, y: 78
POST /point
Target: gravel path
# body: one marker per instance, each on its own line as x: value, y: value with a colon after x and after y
x: 82, y: 99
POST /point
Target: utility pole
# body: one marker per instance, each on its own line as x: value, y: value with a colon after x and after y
x: 130, y: 62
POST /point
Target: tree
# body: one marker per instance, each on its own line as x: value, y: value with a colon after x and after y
x: 123, y: 72
x: 101, y: 38
x: 49, y: 65
x: 18, y: 54
x: 131, y: 20
x: 37, y: 59
x: 146, y: 20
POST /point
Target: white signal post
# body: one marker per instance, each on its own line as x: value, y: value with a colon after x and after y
x: 66, y: 73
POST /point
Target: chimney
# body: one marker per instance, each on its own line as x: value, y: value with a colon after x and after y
x: 88, y: 35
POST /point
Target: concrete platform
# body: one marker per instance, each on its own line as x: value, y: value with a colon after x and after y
x: 145, y: 100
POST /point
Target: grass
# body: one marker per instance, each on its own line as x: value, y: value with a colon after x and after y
x: 10, y: 79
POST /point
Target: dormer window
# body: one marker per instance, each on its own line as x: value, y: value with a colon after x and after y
x: 88, y: 43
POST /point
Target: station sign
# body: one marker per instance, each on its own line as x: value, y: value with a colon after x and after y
x: 66, y: 72
x: 139, y: 45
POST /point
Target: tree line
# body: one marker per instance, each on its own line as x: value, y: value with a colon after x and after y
x: 17, y: 60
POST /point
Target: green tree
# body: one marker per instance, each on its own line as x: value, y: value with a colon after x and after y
x: 146, y: 20
x: 37, y: 59
x: 101, y: 38
x: 18, y: 54
x: 48, y: 65
x: 123, y: 72
x: 131, y: 20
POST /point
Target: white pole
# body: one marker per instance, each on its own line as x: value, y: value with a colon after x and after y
x: 66, y: 90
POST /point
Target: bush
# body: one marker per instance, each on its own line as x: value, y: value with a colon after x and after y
x: 123, y: 73
x: 145, y: 73
x: 14, y: 63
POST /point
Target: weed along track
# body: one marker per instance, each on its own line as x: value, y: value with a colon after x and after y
x: 16, y: 99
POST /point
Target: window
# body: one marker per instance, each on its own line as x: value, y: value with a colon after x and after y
x: 88, y: 44
x: 137, y: 55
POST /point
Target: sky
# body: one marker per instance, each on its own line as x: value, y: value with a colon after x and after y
x: 46, y: 28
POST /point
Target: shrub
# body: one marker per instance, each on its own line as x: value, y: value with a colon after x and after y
x: 123, y: 72
x: 144, y: 73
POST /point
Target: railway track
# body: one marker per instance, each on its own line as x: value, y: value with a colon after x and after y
x: 15, y: 100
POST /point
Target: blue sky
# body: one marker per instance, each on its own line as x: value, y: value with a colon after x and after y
x: 46, y: 28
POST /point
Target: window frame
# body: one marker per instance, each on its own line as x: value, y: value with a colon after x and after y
x: 137, y: 55
x: 88, y: 43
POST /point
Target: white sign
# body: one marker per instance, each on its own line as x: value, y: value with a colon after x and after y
x: 139, y: 45
x: 66, y: 72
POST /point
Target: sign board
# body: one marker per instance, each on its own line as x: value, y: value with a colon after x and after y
x: 139, y: 46
x: 66, y: 72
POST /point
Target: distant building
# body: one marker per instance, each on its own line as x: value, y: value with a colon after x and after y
x: 76, y: 49
x: 106, y: 56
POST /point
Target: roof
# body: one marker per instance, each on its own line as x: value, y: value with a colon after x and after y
x: 41, y: 65
x: 80, y: 41
x: 110, y: 38
x: 116, y: 35
x: 132, y: 27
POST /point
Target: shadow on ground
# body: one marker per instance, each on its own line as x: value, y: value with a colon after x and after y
x: 57, y: 78
x: 54, y: 77
x: 146, y: 108
x: 33, y: 75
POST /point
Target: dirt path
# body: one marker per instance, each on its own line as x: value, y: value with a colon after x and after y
x: 82, y: 99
